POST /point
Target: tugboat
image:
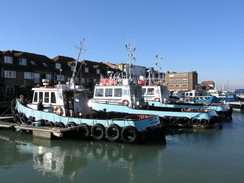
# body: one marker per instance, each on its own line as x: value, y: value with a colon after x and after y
x: 66, y: 106
x: 156, y: 94
x: 126, y: 95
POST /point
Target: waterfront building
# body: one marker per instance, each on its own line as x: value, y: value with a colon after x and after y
x: 183, y: 81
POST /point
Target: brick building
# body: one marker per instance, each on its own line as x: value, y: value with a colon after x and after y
x: 181, y: 81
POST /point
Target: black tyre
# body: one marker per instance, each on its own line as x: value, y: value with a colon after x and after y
x: 130, y: 134
x: 113, y: 132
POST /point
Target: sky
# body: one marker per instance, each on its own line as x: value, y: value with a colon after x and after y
x: 206, y: 36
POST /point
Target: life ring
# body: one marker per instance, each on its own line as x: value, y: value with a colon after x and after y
x: 130, y: 134
x: 157, y: 99
x: 113, y: 132
x: 84, y: 130
x: 98, y: 131
x: 125, y: 102
x: 58, y: 110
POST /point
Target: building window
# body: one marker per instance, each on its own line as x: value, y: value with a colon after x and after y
x: 86, y: 70
x: 177, y: 75
x: 22, y: 61
x: 178, y: 80
x: 171, y: 80
x: 28, y: 75
x: 184, y: 75
x: 33, y: 63
x: 60, y: 77
x: 48, y: 76
x: 57, y: 65
x: 98, y: 71
x: 44, y: 64
x: 185, y: 85
x: 72, y: 68
x: 171, y: 86
x: 171, y: 75
x: 9, y: 90
x: 83, y: 80
x: 184, y: 80
x: 9, y: 74
x: 8, y: 60
x: 178, y: 85
x: 36, y: 78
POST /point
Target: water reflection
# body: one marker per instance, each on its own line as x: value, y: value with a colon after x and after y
x: 66, y: 157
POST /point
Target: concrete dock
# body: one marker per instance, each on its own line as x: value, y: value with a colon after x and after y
x: 37, y: 131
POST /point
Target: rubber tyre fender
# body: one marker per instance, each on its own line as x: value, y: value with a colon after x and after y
x: 129, y: 131
x: 59, y: 124
x: 195, y: 121
x: 173, y: 120
x: 203, y: 121
x: 50, y: 123
x: 110, y: 135
x: 70, y: 125
x: 84, y: 130
x: 98, y: 131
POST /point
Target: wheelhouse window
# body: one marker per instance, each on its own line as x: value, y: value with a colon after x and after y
x: 150, y: 91
x: 53, y: 98
x: 99, y: 92
x: 143, y: 91
x: 108, y: 92
x: 46, y: 97
x: 117, y: 92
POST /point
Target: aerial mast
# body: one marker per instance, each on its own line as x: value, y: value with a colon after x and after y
x: 158, y: 63
x: 131, y: 57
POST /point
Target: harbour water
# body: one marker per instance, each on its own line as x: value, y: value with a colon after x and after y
x: 201, y: 155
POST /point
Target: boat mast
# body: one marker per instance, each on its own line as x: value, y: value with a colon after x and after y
x: 131, y: 59
x: 158, y: 65
x: 72, y: 80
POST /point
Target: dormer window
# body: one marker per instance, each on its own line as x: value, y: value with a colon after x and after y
x: 33, y: 63
x: 58, y: 66
x: 8, y: 59
x: 22, y: 61
x: 44, y: 64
